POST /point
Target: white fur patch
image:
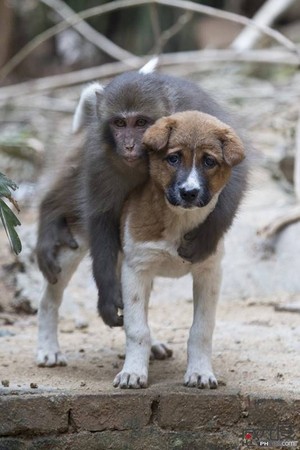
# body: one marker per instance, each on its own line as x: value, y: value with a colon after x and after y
x: 192, y: 181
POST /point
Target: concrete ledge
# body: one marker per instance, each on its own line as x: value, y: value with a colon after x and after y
x: 111, y: 411
x: 33, y: 415
x: 191, y: 411
x: 145, y: 439
x: 138, y: 420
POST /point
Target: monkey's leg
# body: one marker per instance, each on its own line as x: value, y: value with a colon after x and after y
x: 48, y: 352
x: 159, y: 350
x: 52, y: 237
x: 58, y: 209
x: 105, y: 244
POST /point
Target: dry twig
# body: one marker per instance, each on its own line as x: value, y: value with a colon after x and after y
x: 208, y: 10
x: 266, y: 15
x: 120, y: 4
x: 195, y: 60
x: 88, y: 32
x: 154, y: 17
x: 170, y: 32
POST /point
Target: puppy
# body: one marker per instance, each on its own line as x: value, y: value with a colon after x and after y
x: 192, y: 156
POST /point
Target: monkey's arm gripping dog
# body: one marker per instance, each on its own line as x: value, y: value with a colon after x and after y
x: 193, y: 157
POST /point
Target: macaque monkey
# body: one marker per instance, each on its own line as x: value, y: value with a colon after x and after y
x: 83, y: 208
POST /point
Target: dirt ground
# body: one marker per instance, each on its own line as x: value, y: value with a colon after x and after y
x: 256, y: 351
x: 256, y: 346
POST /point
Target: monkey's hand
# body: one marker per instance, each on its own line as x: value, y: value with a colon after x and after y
x: 197, y: 245
x: 52, y: 237
x: 110, y: 301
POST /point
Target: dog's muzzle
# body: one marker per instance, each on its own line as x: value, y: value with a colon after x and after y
x: 188, y: 198
x: 189, y: 195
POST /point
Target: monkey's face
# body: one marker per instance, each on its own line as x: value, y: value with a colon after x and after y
x: 128, y: 131
x: 191, y: 157
x: 126, y: 107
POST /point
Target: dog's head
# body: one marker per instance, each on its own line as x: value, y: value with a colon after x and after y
x: 191, y: 157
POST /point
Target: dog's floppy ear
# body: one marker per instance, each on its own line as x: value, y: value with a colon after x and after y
x: 232, y: 146
x: 157, y: 136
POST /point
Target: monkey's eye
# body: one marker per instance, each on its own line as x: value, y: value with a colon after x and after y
x: 141, y: 123
x: 209, y: 162
x: 173, y: 159
x: 120, y: 123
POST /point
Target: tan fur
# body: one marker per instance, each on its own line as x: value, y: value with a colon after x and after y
x: 195, y: 134
x: 146, y: 222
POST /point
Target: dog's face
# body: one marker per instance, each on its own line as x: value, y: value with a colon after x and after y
x: 191, y: 157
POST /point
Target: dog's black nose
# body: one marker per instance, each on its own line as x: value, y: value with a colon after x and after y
x: 189, y: 195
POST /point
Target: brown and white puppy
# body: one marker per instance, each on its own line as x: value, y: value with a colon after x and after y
x: 192, y: 156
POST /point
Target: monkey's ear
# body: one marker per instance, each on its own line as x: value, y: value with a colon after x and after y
x: 157, y: 136
x: 233, y: 147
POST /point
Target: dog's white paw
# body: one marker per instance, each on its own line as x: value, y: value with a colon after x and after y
x: 50, y: 358
x: 126, y: 380
x: 201, y: 380
x: 159, y: 350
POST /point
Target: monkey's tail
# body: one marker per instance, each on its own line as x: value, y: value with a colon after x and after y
x: 85, y: 105
x: 150, y: 66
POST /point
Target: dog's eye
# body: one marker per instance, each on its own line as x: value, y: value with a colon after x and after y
x: 209, y: 162
x: 173, y: 159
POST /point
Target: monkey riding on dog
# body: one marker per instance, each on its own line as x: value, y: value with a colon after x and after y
x: 82, y: 210
x: 192, y: 157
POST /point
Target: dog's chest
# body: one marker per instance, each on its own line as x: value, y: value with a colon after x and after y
x: 160, y: 257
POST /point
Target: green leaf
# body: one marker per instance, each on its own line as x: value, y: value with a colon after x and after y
x: 10, y: 221
x: 6, y: 185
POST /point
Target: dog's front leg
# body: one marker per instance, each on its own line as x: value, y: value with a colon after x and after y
x: 136, y: 287
x: 206, y: 287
